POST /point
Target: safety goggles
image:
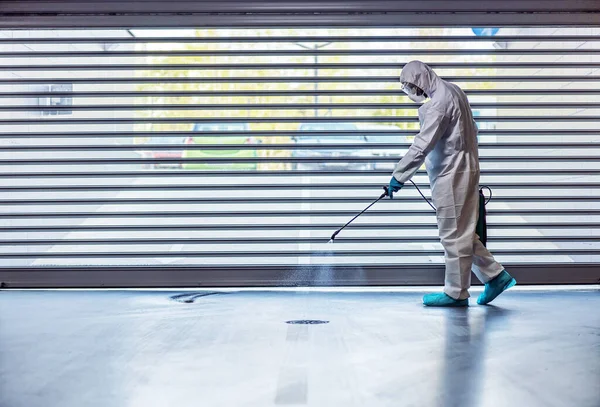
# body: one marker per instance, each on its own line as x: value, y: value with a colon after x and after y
x: 411, y: 89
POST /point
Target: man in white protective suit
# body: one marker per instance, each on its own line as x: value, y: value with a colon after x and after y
x: 447, y: 143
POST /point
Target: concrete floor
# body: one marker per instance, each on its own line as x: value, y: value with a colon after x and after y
x: 119, y: 348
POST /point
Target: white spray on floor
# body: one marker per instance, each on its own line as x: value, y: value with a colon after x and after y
x: 322, y: 274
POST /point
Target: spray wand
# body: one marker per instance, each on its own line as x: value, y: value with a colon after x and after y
x: 385, y: 188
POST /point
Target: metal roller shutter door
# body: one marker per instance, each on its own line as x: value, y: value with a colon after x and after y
x: 227, y: 156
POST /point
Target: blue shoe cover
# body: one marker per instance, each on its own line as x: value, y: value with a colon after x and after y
x: 495, y: 287
x: 443, y: 300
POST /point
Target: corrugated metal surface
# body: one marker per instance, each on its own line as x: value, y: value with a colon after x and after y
x: 204, y: 151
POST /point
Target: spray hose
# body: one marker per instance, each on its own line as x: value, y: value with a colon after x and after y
x: 433, y: 207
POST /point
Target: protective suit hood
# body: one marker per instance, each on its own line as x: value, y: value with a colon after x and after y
x: 420, y: 74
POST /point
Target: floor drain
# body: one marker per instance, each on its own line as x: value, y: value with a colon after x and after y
x: 306, y: 322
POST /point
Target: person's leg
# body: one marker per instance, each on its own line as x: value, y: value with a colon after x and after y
x: 485, y: 267
x: 458, y: 261
x: 456, y: 236
x: 458, y: 256
x: 490, y: 272
x: 455, y: 198
x: 457, y: 220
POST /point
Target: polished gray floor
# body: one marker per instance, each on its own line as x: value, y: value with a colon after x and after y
x: 110, y: 349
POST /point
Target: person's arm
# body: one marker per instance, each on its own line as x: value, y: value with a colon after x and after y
x: 434, y: 124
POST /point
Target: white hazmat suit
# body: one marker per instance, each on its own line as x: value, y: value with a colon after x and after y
x: 447, y: 143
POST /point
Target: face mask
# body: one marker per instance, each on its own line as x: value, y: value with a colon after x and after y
x: 417, y: 98
x: 413, y: 93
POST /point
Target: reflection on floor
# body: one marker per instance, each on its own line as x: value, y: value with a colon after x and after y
x: 211, y: 348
